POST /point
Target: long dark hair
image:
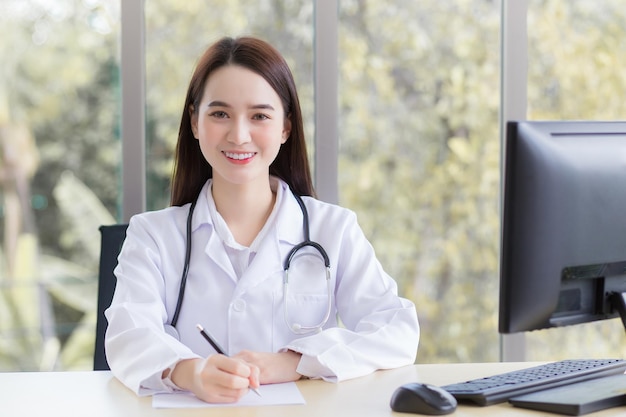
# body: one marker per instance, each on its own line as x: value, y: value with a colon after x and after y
x: 191, y: 170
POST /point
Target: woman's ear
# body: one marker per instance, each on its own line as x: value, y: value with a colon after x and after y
x: 286, y: 129
x: 193, y: 116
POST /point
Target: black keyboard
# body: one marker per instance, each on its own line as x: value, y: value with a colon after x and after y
x: 498, y: 388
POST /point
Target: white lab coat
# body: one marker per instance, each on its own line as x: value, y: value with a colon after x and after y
x: 378, y: 329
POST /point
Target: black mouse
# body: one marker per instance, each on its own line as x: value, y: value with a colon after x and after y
x: 421, y: 398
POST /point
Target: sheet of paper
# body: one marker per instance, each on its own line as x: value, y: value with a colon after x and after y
x: 274, y: 394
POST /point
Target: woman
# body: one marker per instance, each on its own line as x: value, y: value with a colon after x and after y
x: 240, y: 177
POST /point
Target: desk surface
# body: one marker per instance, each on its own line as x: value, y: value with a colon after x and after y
x: 100, y: 394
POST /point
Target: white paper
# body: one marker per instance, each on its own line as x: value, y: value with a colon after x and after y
x: 274, y: 394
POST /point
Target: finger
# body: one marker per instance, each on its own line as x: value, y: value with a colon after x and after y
x: 255, y: 376
x: 235, y: 366
x: 222, y: 372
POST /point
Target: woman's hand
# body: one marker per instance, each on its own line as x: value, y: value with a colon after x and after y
x: 216, y: 379
x: 274, y: 367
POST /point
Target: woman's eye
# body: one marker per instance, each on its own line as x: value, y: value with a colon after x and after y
x: 260, y: 116
x: 219, y: 114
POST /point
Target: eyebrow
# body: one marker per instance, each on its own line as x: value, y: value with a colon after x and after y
x: 218, y: 103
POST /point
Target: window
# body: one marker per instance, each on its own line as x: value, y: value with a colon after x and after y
x: 576, y: 67
x: 576, y: 60
x: 419, y: 147
x: 419, y: 160
x: 59, y: 172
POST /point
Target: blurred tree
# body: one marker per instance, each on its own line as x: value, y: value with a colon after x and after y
x: 576, y: 60
x: 420, y: 159
x: 58, y: 64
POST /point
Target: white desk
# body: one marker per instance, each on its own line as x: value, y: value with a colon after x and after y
x: 100, y: 394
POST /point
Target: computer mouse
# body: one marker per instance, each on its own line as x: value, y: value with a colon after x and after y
x: 422, y: 398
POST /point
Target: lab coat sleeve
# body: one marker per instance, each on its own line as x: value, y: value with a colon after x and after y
x: 380, y: 329
x: 137, y: 347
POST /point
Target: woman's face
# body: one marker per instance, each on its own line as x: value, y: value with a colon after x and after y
x: 240, y: 124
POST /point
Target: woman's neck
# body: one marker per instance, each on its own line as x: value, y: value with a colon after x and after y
x: 245, y: 208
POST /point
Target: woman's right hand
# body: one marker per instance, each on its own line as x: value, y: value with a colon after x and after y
x: 217, y: 378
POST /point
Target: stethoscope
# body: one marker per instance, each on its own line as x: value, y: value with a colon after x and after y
x: 296, y: 328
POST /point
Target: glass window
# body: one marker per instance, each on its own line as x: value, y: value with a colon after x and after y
x: 419, y: 159
x: 177, y: 33
x: 576, y: 71
x: 59, y: 175
x: 576, y: 63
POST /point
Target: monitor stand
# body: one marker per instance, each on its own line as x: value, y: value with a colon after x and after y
x: 618, y: 303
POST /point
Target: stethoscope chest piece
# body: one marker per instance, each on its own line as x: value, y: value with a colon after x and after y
x: 299, y: 328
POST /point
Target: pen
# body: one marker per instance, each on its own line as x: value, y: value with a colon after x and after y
x: 218, y: 349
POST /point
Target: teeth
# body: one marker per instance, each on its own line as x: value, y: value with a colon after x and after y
x: 239, y: 156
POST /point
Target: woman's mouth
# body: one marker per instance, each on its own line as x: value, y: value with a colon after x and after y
x: 239, y: 156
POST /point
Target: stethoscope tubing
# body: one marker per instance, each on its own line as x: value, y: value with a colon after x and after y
x: 183, y: 279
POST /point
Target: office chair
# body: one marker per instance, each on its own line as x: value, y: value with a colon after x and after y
x: 112, y: 238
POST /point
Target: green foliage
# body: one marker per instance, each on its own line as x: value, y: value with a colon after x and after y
x: 67, y: 97
x: 420, y: 160
x: 576, y: 60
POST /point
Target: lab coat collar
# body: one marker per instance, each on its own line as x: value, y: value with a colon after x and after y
x: 201, y: 218
x: 201, y: 212
x: 287, y: 233
x: 289, y: 221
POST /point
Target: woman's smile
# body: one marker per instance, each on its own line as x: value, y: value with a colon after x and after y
x: 239, y: 156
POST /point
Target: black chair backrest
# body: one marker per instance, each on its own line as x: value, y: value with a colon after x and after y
x: 112, y: 238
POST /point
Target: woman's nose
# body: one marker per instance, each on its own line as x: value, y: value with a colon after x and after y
x: 240, y: 133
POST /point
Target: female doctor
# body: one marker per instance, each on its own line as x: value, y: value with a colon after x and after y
x: 287, y: 285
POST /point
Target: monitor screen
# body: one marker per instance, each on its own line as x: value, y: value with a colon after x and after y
x: 563, y: 248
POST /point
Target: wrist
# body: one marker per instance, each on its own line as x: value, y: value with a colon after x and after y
x: 182, y: 374
x: 296, y: 356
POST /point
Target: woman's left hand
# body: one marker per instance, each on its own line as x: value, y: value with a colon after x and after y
x: 274, y: 367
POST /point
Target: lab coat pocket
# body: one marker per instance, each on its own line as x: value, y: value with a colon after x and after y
x: 305, y: 313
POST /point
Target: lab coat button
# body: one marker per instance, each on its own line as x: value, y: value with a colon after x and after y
x: 239, y: 305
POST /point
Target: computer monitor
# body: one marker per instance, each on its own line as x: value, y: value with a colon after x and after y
x: 563, y: 248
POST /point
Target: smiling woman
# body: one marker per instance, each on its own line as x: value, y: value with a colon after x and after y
x: 243, y: 209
